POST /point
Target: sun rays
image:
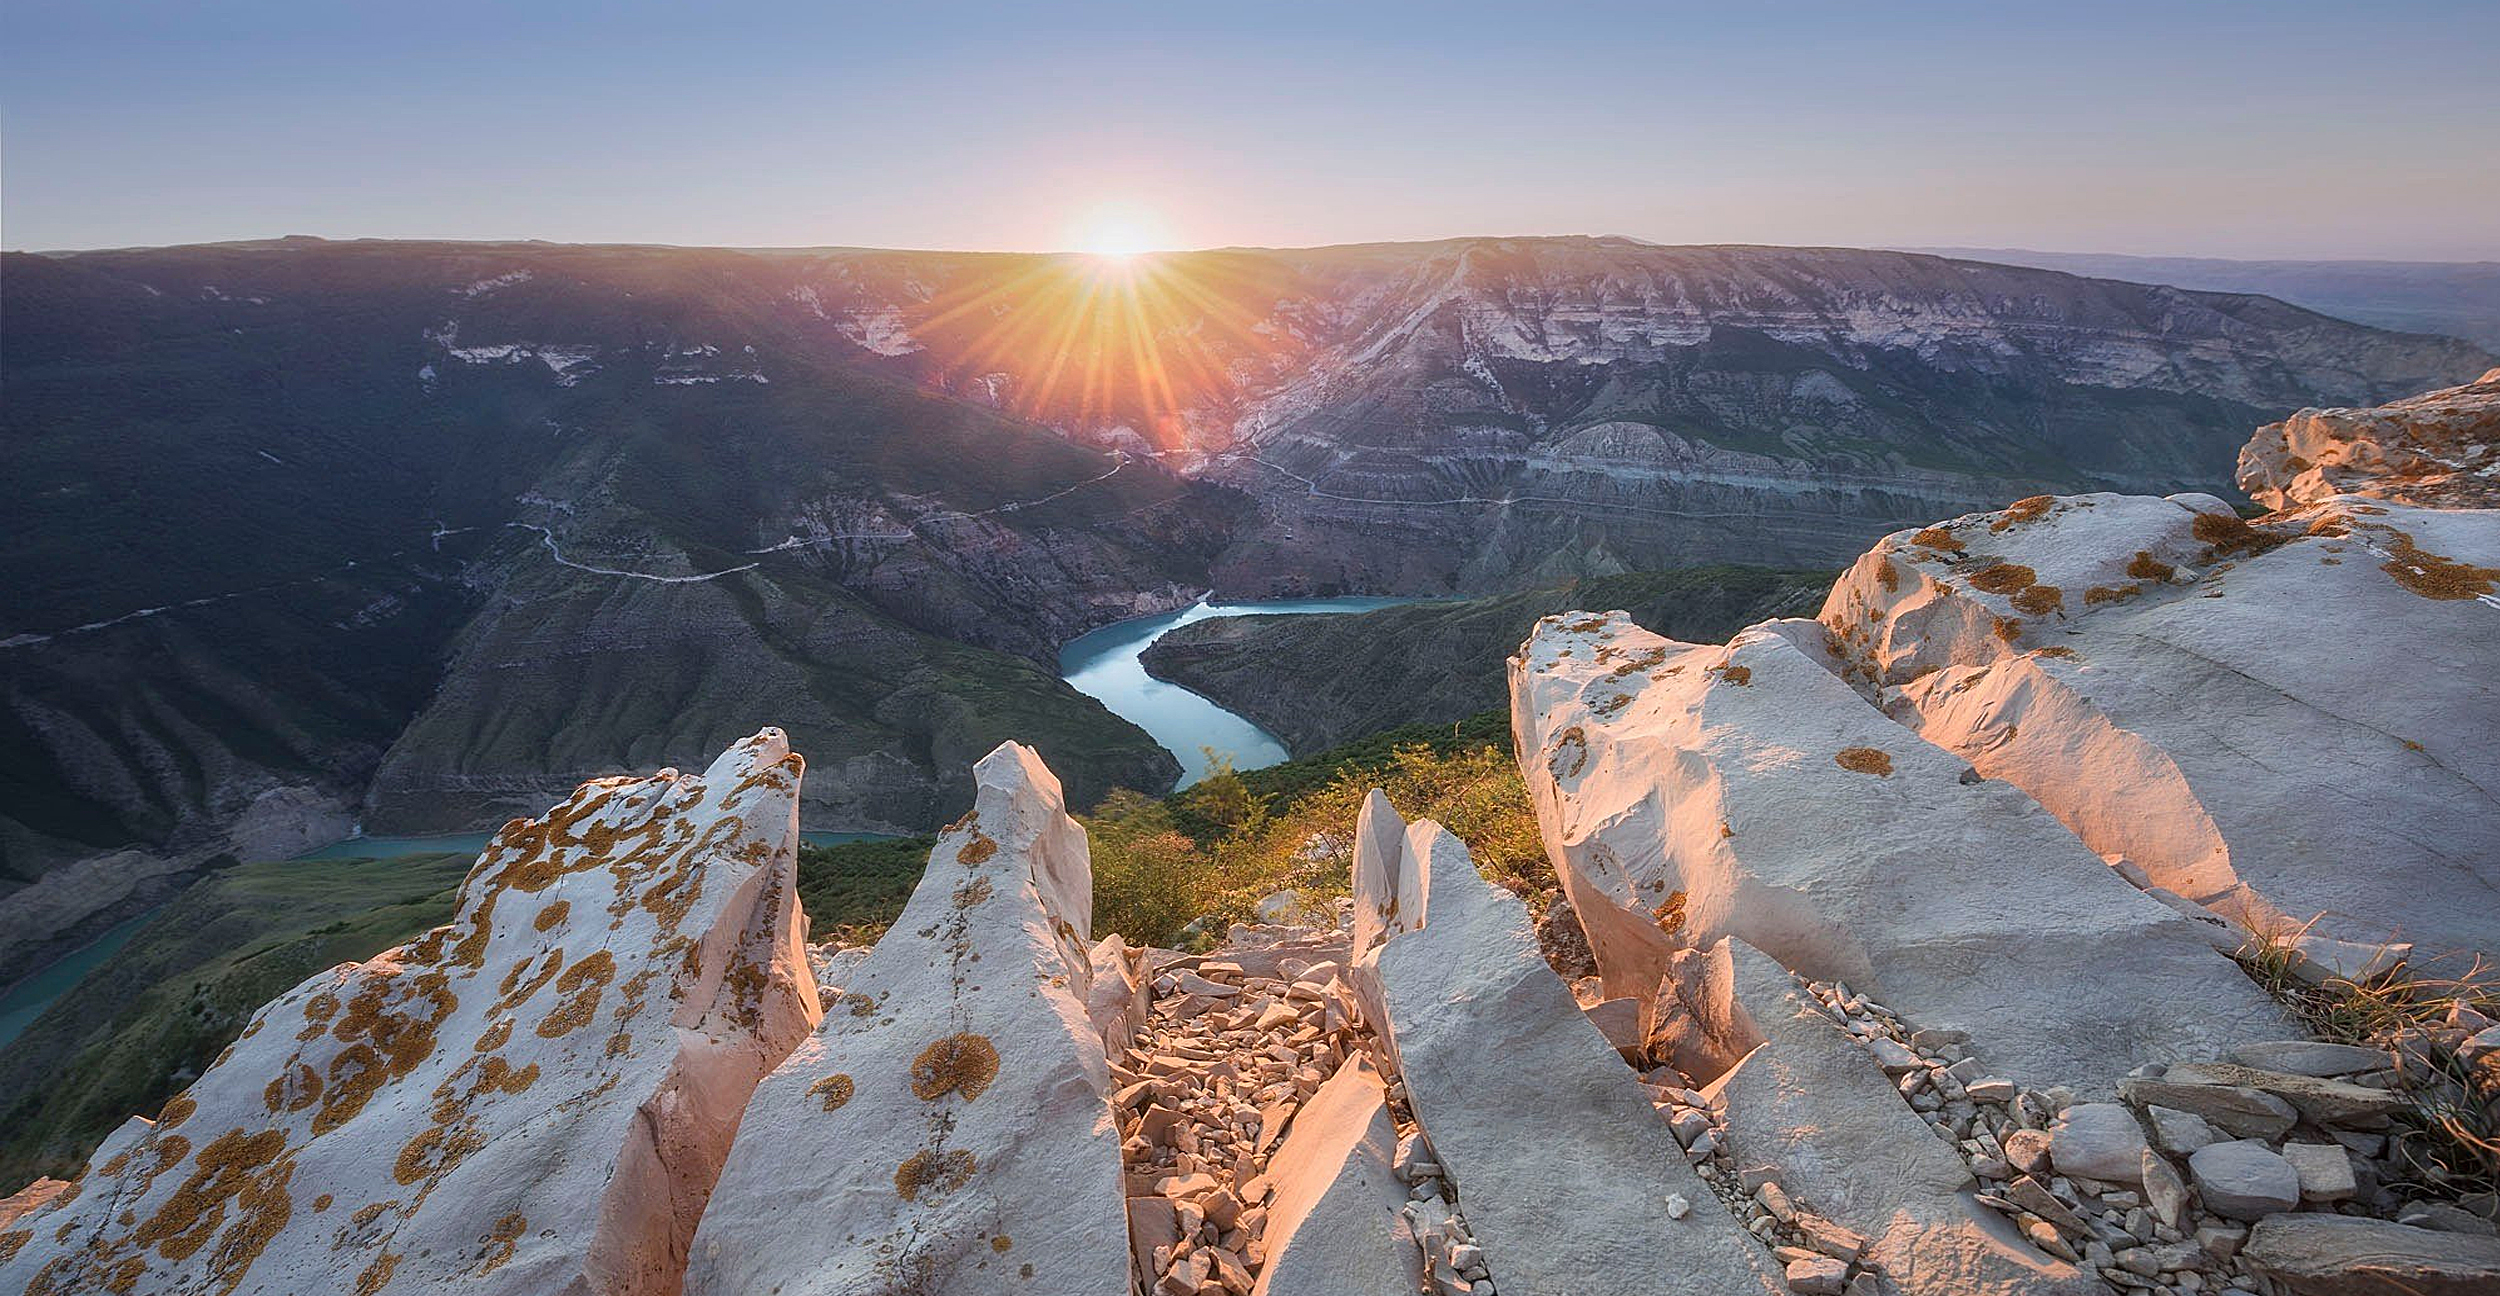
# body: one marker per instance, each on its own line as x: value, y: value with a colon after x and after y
x: 1105, y: 337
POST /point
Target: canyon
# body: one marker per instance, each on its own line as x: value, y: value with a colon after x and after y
x: 2000, y: 927
x: 414, y: 537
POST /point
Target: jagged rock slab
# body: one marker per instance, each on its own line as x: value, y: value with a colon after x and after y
x: 1333, y: 1224
x: 948, y: 1128
x: 2440, y: 448
x: 532, y: 1099
x: 2295, y: 719
x: 1688, y: 793
x: 2316, y: 1254
x: 1811, y: 1102
x: 1562, y: 1165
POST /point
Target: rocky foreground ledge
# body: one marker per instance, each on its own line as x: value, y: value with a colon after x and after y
x: 1896, y: 957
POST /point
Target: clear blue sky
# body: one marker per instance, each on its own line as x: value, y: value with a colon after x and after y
x: 2278, y: 129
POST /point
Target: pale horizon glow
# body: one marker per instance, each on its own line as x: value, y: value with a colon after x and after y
x: 2302, y: 129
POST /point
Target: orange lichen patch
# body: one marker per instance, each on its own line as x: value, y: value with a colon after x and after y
x: 1887, y: 575
x: 2330, y: 525
x: 973, y: 892
x: 1937, y: 538
x: 581, y: 984
x: 2040, y: 600
x: 245, y: 1172
x: 1742, y: 676
x: 2226, y: 534
x: 503, y: 1241
x: 934, y: 1173
x: 1865, y: 760
x: 368, y: 1213
x: 2002, y: 578
x: 321, y: 1203
x: 2009, y: 629
x: 378, y: 1274
x: 495, y: 1037
x: 978, y: 849
x: 177, y: 1110
x: 1002, y: 1243
x: 294, y: 1089
x: 551, y: 915
x: 861, y: 1005
x: 356, y: 1074
x: 2433, y: 576
x: 1608, y: 706
x: 321, y: 1007
x: 1586, y: 625
x: 435, y: 1151
x: 2144, y: 566
x: 960, y: 1063
x: 1638, y: 662
x: 2053, y: 650
x: 2028, y: 509
x: 1669, y: 915
x: 2410, y: 745
x: 2100, y: 594
x: 835, y: 1090
x: 1571, y: 753
x: 1725, y: 830
x: 12, y: 1243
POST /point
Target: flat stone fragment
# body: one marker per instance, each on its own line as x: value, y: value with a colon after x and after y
x: 534, y: 1098
x: 2310, y: 1057
x: 2244, y: 1180
x: 2164, y: 1191
x: 2098, y: 1141
x: 1563, y: 1161
x: 2316, y: 1254
x: 2325, y: 1171
x: 2236, y: 1109
x: 949, y: 1128
x: 2179, y: 1133
x: 1334, y: 1223
x: 1812, y: 1102
x: 2327, y: 1102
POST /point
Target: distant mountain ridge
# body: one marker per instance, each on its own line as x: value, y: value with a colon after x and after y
x: 303, y: 533
x: 2458, y: 298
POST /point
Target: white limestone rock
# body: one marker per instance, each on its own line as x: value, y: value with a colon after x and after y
x: 1334, y: 1222
x: 1811, y: 1102
x: 2280, y: 721
x: 1561, y: 1158
x: 1688, y: 793
x: 948, y: 1128
x: 2441, y: 448
x: 532, y: 1099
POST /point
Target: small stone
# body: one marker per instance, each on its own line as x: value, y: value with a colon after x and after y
x: 2098, y: 1141
x: 2033, y: 1196
x: 2179, y: 1133
x: 2027, y: 1150
x: 1775, y: 1200
x: 1677, y: 1206
x: 2044, y: 1236
x: 1892, y: 1055
x: 2323, y: 1253
x: 2325, y: 1171
x: 1752, y: 1177
x: 1991, y: 1089
x: 2244, y: 1180
x: 2237, y: 1109
x: 2165, y: 1190
x: 1842, y: 1244
x: 1689, y: 1124
x: 1817, y: 1276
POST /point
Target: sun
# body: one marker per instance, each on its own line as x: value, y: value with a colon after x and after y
x: 1117, y: 231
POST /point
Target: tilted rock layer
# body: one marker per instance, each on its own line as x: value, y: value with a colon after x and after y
x: 532, y: 1099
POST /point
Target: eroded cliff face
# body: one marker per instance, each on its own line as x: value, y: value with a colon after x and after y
x: 1911, y: 928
